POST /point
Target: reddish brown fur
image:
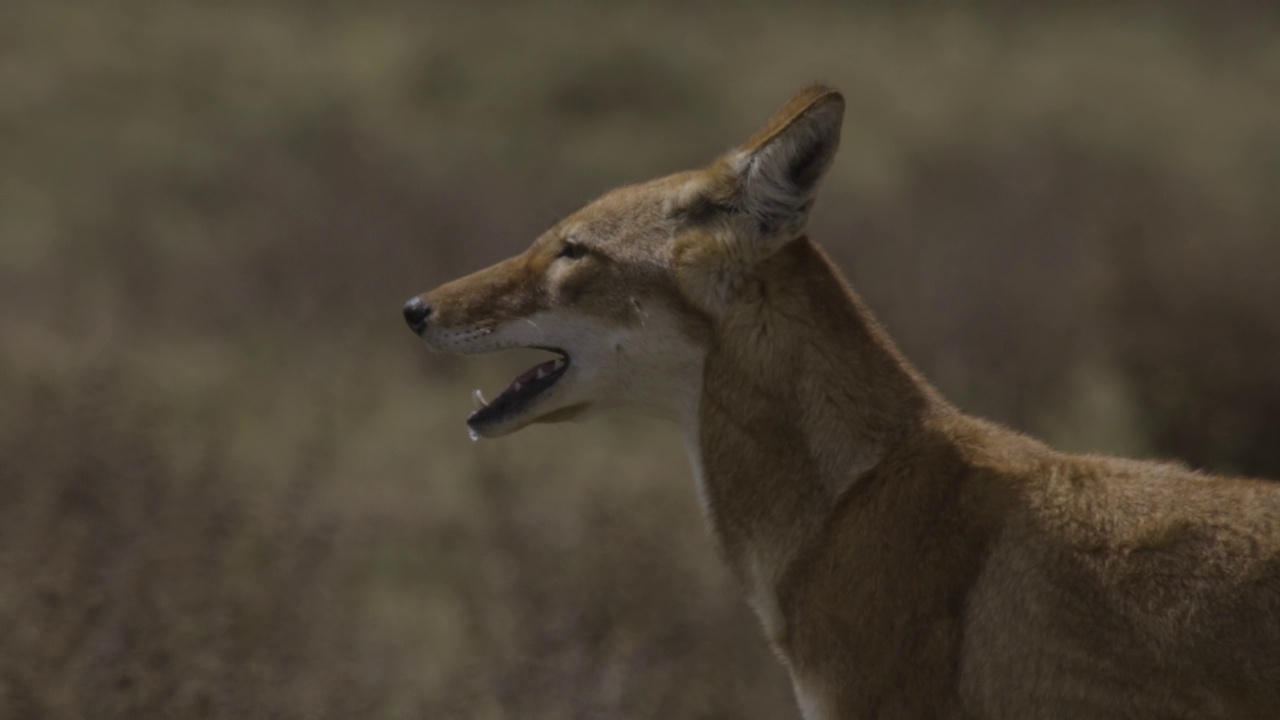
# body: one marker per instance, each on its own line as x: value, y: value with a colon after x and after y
x: 907, y: 561
x: 1160, y: 585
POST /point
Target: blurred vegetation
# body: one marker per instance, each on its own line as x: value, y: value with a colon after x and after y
x: 235, y: 486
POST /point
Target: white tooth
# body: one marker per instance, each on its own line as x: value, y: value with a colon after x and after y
x: 541, y: 372
x: 559, y: 363
x: 473, y: 435
x: 478, y: 400
x: 515, y: 387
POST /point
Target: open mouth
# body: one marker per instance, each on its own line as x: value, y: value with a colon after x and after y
x: 521, y: 392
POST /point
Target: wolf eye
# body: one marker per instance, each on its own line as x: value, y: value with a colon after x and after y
x: 572, y: 250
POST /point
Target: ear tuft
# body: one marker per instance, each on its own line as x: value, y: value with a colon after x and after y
x: 780, y: 167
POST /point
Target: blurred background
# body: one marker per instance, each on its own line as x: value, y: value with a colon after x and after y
x: 232, y: 483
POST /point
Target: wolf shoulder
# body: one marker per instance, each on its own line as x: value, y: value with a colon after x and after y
x: 1123, y: 587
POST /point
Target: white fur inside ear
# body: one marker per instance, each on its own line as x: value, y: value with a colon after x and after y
x: 779, y: 180
x: 738, y: 161
x: 684, y: 196
x: 770, y: 195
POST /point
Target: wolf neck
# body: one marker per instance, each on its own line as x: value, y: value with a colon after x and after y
x: 802, y: 394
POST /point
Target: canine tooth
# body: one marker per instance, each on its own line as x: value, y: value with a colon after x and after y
x: 515, y: 386
x: 542, y: 372
x: 478, y: 400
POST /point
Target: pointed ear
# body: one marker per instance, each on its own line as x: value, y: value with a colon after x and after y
x: 779, y: 169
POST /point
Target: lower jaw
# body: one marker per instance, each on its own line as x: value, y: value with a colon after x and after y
x: 487, y: 432
x: 507, y: 424
x: 480, y: 424
x: 493, y: 427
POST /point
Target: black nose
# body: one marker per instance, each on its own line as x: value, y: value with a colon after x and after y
x: 416, y: 313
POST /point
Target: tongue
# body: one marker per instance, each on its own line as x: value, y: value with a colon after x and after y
x: 542, y: 370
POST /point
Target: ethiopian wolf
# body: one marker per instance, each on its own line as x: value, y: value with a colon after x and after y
x: 905, y: 560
